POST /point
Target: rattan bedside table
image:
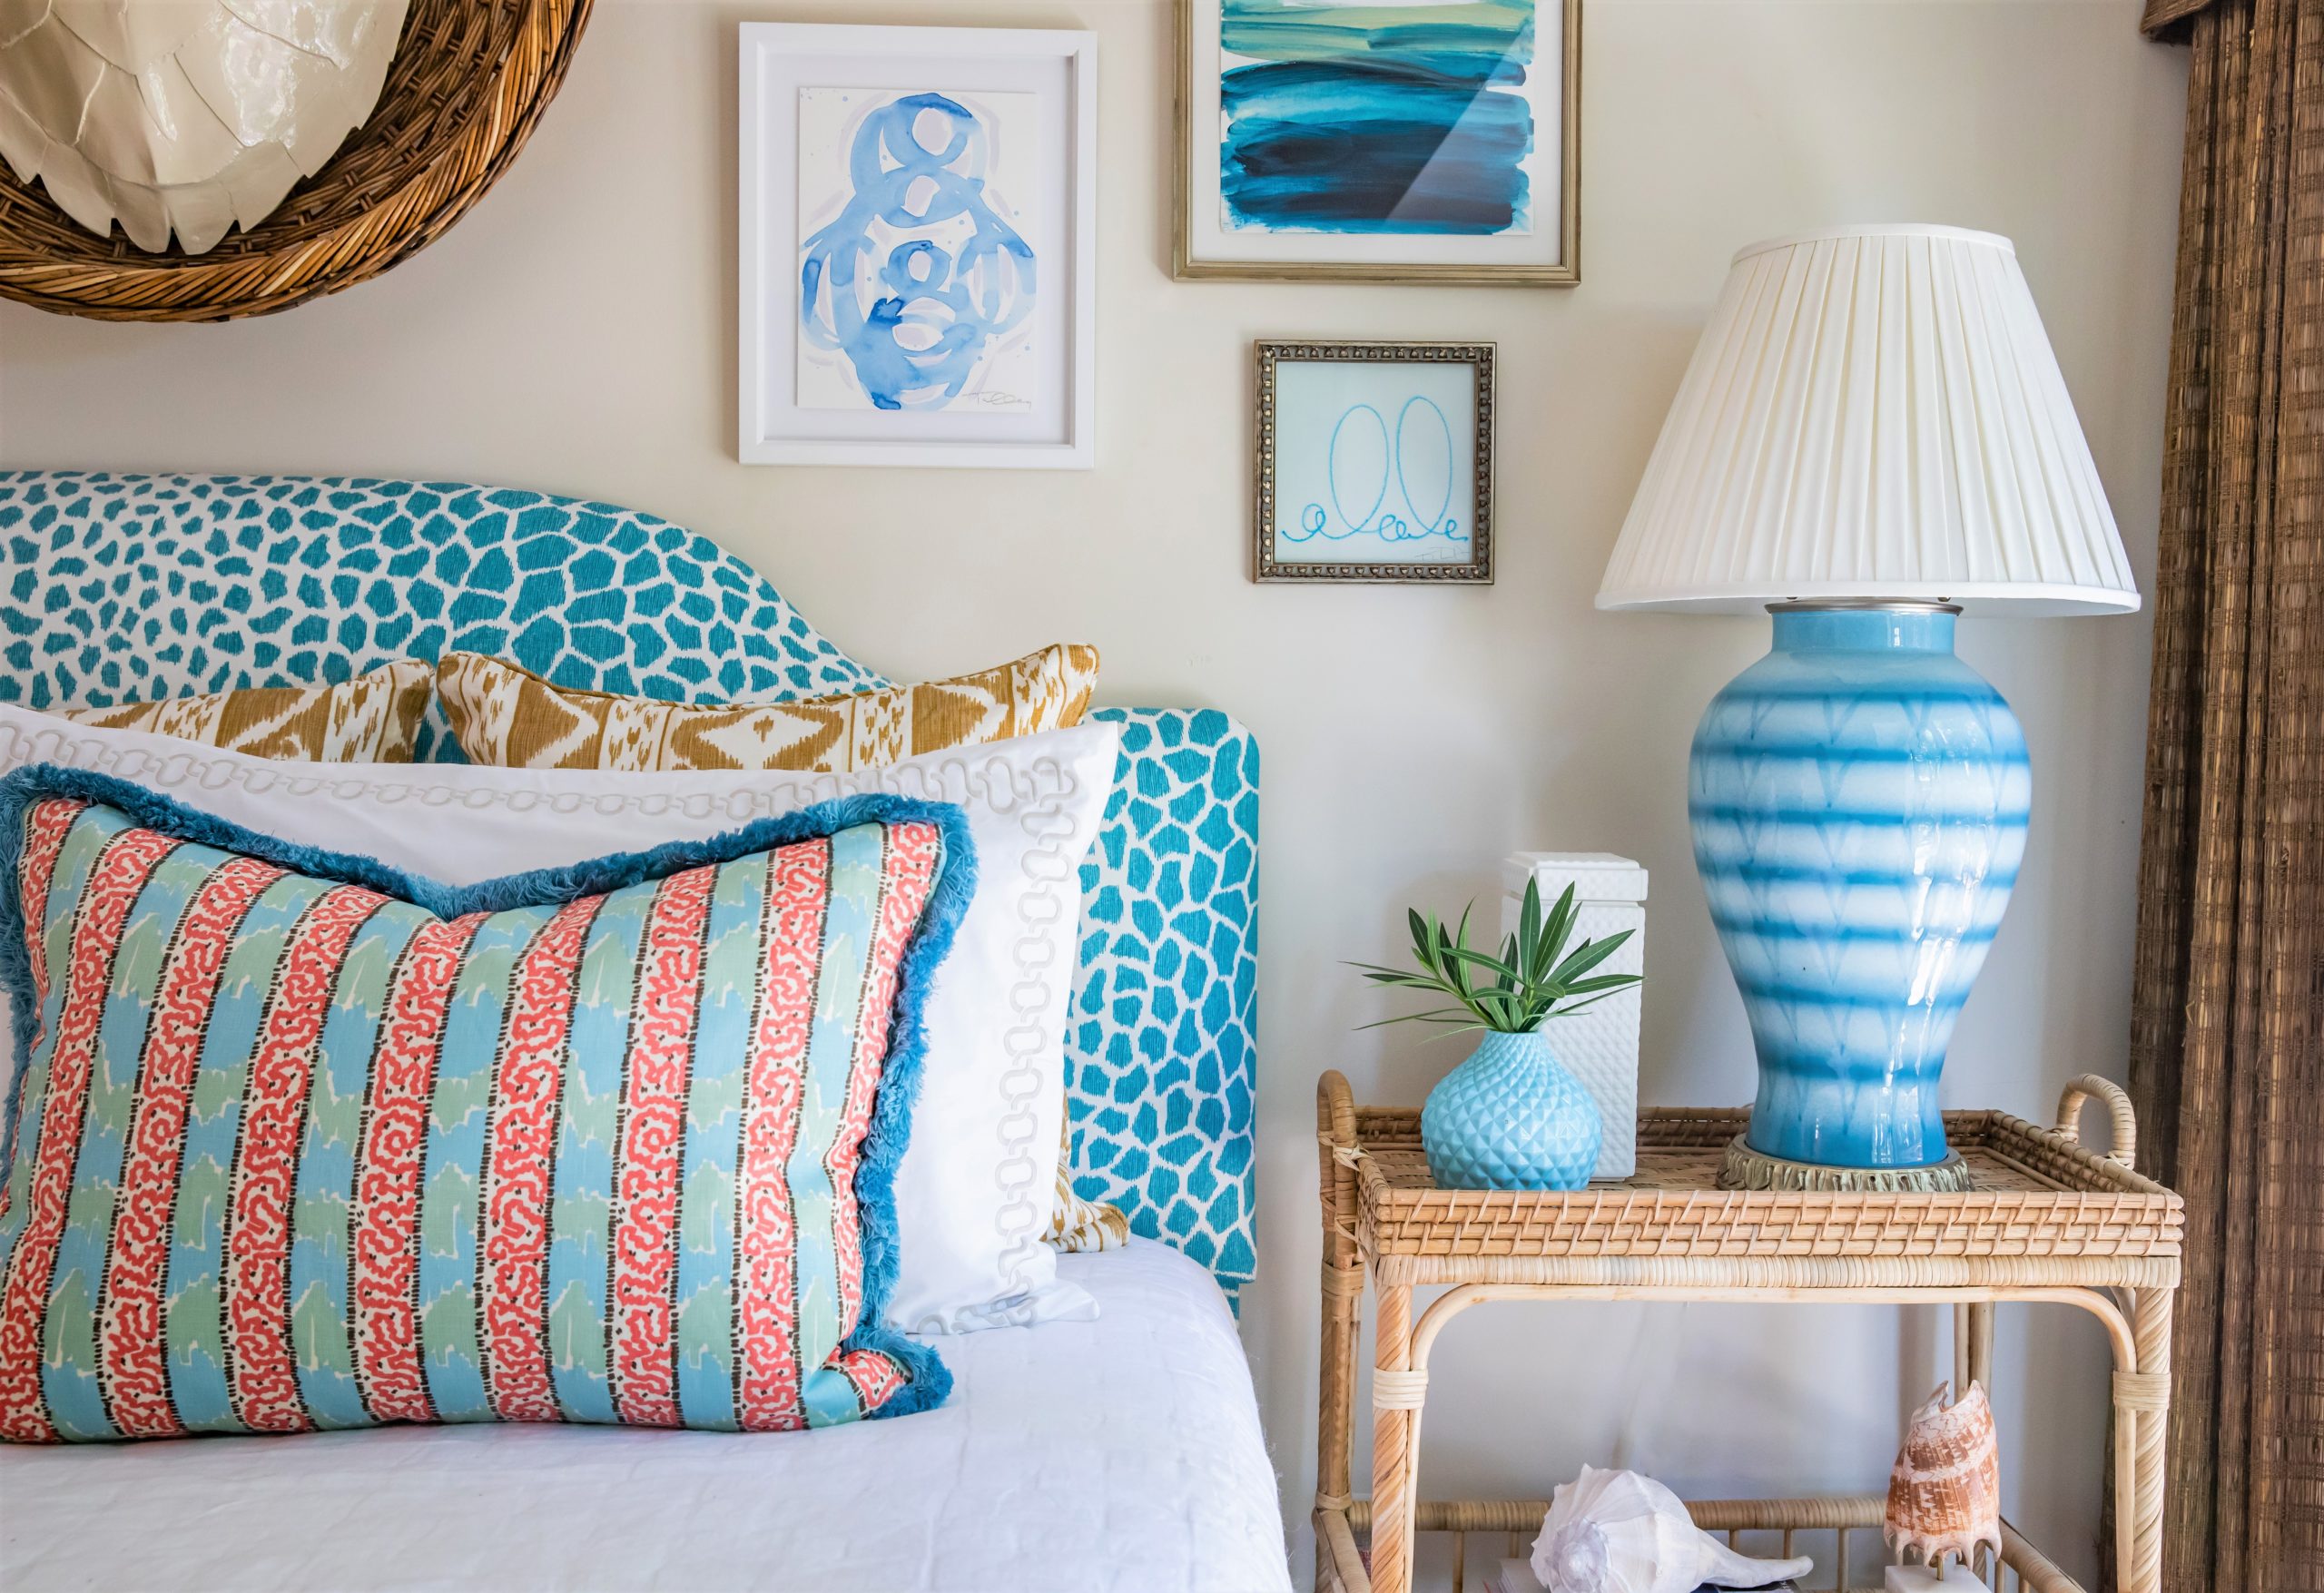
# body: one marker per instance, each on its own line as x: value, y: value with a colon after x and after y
x: 2048, y: 1222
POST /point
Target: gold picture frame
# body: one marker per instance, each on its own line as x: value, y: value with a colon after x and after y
x: 1275, y: 437
x: 1564, y: 272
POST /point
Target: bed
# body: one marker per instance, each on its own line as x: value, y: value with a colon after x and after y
x: 1122, y: 1453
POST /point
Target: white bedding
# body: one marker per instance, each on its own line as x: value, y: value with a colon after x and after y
x: 1122, y: 1453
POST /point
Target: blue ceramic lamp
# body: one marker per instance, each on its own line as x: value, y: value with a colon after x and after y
x: 1873, y: 438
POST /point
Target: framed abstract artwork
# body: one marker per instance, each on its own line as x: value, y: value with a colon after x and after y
x: 1382, y: 140
x: 1374, y: 462
x: 919, y: 246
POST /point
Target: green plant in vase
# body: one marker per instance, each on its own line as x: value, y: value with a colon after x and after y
x: 1511, y: 1116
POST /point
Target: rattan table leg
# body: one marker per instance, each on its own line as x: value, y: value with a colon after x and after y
x: 1335, y: 1417
x: 2142, y: 1400
x: 2143, y: 1573
x: 1392, y: 1515
x: 1960, y: 1373
x: 1981, y: 1345
x: 1974, y: 1324
x: 1342, y: 1286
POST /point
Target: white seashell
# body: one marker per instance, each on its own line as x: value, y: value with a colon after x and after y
x: 1619, y: 1532
x: 1944, y: 1495
x: 185, y: 116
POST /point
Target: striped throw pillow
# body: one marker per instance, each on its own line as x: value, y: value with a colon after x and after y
x: 305, y: 1143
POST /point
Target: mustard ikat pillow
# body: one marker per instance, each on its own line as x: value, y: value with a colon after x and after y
x: 507, y: 716
x: 372, y: 719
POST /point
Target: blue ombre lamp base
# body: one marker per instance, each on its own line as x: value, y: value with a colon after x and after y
x: 1859, y: 800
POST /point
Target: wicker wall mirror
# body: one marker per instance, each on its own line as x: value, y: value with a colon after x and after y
x: 467, y: 86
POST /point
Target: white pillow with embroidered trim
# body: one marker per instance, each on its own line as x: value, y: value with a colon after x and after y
x: 976, y: 1191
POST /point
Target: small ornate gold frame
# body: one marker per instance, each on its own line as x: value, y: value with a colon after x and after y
x: 1476, y: 570
x: 1565, y: 273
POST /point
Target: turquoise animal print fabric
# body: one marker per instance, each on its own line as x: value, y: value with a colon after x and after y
x: 123, y: 587
x: 310, y: 1143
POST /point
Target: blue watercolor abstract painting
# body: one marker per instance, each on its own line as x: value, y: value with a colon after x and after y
x: 1401, y: 117
x: 917, y: 282
x: 1374, y: 463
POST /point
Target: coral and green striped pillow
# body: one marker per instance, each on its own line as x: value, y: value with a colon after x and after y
x: 305, y: 1143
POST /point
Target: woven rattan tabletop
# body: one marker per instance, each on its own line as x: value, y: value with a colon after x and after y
x: 2042, y: 1208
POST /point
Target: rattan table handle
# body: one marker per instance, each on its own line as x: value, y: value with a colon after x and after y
x: 2118, y: 1108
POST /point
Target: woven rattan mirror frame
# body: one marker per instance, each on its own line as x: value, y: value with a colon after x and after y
x: 468, y: 84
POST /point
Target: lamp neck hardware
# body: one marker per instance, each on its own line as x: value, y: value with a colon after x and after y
x: 1863, y: 606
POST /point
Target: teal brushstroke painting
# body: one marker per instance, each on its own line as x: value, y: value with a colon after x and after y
x: 1375, y: 119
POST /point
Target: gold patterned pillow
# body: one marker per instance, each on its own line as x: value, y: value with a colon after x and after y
x: 505, y: 715
x: 372, y: 719
x: 1080, y: 1225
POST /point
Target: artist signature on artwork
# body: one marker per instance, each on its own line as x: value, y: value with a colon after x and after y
x: 1001, y: 400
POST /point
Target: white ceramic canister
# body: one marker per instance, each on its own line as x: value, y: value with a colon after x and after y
x: 1600, y: 1044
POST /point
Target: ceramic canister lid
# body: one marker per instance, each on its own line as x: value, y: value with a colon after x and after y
x: 1596, y: 876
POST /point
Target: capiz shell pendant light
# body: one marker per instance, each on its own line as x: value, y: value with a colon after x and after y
x: 1874, y: 437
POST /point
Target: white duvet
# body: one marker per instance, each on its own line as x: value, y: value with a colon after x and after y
x: 1119, y: 1454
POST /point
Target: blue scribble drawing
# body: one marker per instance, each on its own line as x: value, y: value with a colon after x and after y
x: 1417, y: 413
x: 919, y: 278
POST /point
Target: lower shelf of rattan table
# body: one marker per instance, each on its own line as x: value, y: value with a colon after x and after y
x: 1775, y: 1527
x: 1756, y: 1526
x: 2047, y: 1221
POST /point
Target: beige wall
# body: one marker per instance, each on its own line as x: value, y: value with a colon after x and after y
x: 577, y: 334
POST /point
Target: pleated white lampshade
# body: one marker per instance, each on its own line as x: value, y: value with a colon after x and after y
x: 1873, y: 412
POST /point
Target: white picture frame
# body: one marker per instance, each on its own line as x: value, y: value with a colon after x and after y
x: 831, y: 375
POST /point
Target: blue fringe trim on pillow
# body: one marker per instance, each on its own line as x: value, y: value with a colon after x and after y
x: 890, y: 1130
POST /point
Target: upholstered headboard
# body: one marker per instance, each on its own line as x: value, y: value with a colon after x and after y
x: 121, y: 588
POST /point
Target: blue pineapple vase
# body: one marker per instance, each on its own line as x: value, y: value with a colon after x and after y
x: 1859, y: 800
x: 1511, y: 1117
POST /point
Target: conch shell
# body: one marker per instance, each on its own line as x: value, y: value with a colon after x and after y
x: 1944, y: 1495
x: 1619, y: 1532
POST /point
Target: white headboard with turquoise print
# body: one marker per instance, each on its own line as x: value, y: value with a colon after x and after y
x: 122, y: 588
